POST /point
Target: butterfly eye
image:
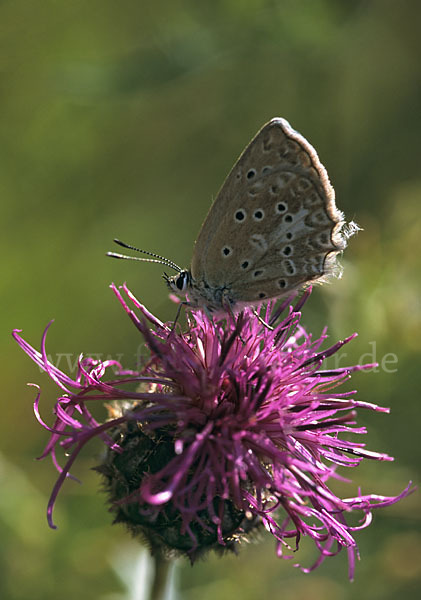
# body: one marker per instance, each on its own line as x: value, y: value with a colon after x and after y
x: 182, y: 281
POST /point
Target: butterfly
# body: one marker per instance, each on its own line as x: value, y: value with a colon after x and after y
x: 272, y: 229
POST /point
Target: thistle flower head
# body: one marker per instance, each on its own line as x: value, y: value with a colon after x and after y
x: 229, y: 426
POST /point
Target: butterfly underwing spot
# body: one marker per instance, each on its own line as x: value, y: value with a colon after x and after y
x: 251, y: 173
x: 304, y: 159
x: 303, y: 184
x: 320, y: 218
x: 258, y: 241
x: 293, y: 146
x: 289, y: 235
x: 266, y: 170
x: 314, y: 173
x: 282, y: 284
x: 261, y: 295
x: 323, y: 240
x: 240, y: 215
x: 289, y: 267
x: 258, y: 273
x: 258, y: 214
x: 259, y: 186
x: 280, y: 207
x: 226, y: 251
x: 284, y: 179
x: 319, y: 260
x: 308, y: 222
x: 318, y: 265
x: 245, y: 264
x: 314, y: 265
x: 267, y: 144
x: 292, y: 150
x: 286, y: 251
x: 288, y: 218
x: 311, y: 199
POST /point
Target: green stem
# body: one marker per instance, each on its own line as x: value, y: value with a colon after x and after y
x: 160, y: 580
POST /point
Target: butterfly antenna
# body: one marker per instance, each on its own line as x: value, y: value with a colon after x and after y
x: 157, y: 258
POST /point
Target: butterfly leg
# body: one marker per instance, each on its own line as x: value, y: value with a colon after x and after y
x: 177, y: 316
x: 262, y: 321
x: 205, y: 309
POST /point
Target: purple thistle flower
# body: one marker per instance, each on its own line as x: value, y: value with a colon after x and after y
x: 229, y: 426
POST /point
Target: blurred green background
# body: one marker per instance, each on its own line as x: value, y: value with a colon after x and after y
x: 121, y: 119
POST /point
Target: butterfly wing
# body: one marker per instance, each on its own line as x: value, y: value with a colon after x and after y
x: 274, y: 225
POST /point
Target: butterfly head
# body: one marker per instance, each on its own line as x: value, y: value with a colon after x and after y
x: 179, y: 283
